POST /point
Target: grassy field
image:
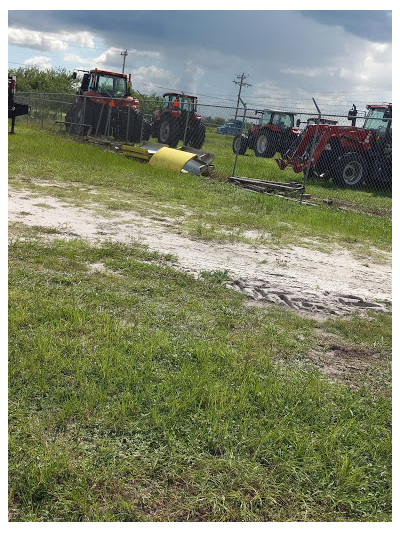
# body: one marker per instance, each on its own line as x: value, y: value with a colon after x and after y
x: 201, y: 206
x: 138, y: 393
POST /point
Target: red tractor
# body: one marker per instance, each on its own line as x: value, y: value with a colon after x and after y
x: 178, y: 120
x: 349, y: 155
x: 105, y: 106
x: 275, y: 132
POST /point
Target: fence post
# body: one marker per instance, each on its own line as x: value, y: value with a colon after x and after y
x: 187, y: 120
x: 311, y: 155
x: 142, y: 102
x: 41, y: 110
x: 82, y: 128
x: 128, y: 118
x: 241, y: 131
x: 99, y: 120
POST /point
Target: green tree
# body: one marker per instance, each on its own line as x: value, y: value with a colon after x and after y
x: 32, y: 79
x: 148, y: 102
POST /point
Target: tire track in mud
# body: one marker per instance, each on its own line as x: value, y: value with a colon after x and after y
x: 306, y: 302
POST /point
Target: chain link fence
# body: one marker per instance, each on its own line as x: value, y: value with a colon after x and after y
x: 347, y: 150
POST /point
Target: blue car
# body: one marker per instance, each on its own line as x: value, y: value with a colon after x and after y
x: 230, y: 128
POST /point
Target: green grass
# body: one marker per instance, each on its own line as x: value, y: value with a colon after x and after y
x: 138, y: 393
x: 199, y: 206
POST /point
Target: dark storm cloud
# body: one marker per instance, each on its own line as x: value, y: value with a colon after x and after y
x: 370, y: 25
x: 248, y: 35
x: 320, y: 49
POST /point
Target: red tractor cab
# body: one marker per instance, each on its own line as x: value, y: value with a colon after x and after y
x: 178, y: 119
x: 349, y: 155
x: 274, y: 132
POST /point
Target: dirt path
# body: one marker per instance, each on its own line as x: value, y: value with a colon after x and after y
x: 302, y: 279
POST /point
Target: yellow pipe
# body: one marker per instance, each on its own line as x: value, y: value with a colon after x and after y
x: 170, y: 158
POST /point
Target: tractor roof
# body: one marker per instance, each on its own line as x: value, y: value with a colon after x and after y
x: 99, y: 71
x: 379, y: 106
x: 278, y: 112
x: 179, y: 94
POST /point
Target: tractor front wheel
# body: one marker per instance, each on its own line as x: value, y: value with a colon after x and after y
x: 350, y: 170
x: 169, y: 132
x: 265, y: 146
x: 239, y: 145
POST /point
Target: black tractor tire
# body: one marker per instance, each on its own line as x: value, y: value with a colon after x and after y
x: 380, y: 175
x: 350, y: 170
x: 239, y: 145
x: 136, y: 121
x: 77, y: 115
x: 265, y: 145
x: 197, y: 136
x: 146, y: 131
x: 169, y: 131
x: 71, y: 118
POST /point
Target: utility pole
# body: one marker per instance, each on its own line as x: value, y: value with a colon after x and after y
x: 123, y: 64
x: 241, y: 84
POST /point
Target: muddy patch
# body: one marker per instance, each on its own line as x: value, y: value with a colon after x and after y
x: 350, y: 364
x: 307, y: 281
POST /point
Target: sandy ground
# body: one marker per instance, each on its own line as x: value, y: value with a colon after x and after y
x: 311, y: 282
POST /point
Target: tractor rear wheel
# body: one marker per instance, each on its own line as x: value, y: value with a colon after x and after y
x: 197, y: 136
x: 350, y: 170
x: 239, y: 145
x: 76, y: 116
x: 169, y: 131
x: 265, y: 145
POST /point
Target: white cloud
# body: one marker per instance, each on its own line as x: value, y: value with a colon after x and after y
x: 370, y: 67
x: 143, y: 53
x: 48, y: 41
x: 363, y: 66
x: 41, y: 62
x: 112, y: 57
x: 154, y: 78
x: 77, y: 60
x: 190, y: 77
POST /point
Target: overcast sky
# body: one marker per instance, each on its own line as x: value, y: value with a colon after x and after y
x: 287, y: 56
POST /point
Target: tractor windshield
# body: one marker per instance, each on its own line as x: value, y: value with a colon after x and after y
x: 178, y: 102
x: 113, y: 86
x: 187, y: 104
x: 283, y: 121
x: 375, y: 120
x: 265, y: 119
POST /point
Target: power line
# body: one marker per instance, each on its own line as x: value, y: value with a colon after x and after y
x: 123, y: 64
x: 241, y: 84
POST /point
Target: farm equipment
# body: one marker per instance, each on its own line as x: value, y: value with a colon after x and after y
x: 275, y: 132
x: 185, y: 159
x: 349, y: 155
x: 104, y: 106
x: 314, y: 120
x: 14, y: 109
x: 178, y: 120
x: 230, y: 128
